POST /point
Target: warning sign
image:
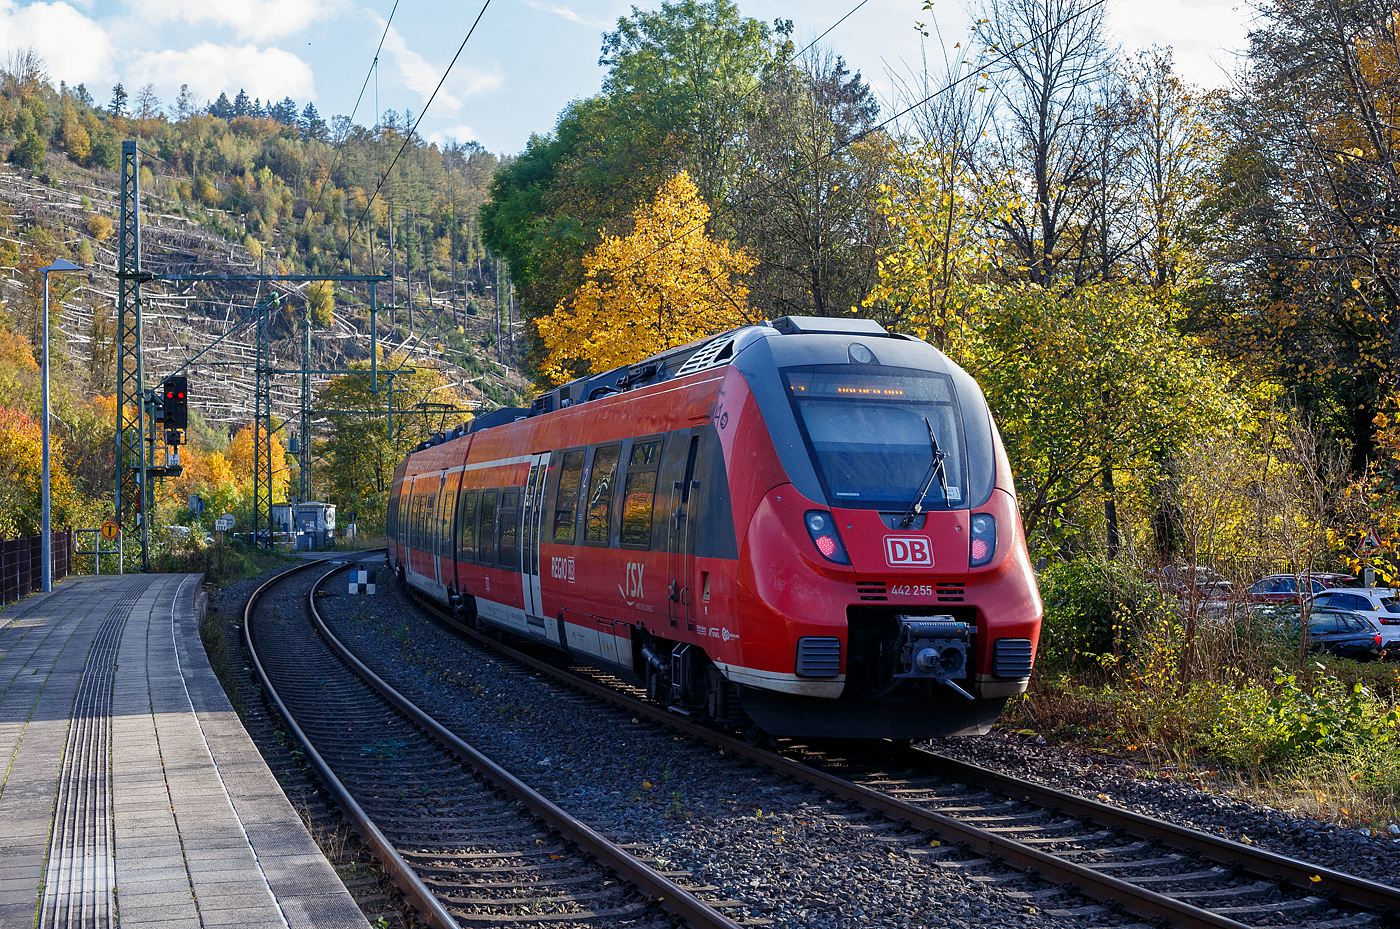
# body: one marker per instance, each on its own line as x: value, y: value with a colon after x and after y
x: 1370, y: 544
x: 110, y: 530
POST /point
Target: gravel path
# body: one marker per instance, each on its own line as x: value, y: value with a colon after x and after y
x: 790, y: 854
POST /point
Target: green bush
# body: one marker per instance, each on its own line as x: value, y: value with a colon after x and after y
x: 1258, y: 727
x: 1089, y: 607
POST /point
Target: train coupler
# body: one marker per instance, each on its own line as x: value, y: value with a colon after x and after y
x: 934, y: 648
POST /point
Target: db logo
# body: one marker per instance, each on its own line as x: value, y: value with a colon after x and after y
x: 908, y: 549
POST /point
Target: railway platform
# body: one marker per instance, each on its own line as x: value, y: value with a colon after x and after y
x: 129, y: 791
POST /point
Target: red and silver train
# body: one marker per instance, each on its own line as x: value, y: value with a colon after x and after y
x: 807, y: 525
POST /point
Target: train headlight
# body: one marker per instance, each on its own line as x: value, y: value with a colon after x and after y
x: 984, y: 539
x: 822, y: 529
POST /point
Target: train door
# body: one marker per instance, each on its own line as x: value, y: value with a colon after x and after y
x: 680, y: 547
x: 532, y: 511
x: 435, y: 546
x: 447, y: 519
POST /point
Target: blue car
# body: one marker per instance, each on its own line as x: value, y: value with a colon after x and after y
x: 1345, y: 634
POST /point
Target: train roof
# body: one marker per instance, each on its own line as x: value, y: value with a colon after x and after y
x: 710, y: 352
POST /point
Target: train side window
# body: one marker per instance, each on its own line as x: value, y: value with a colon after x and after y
x: 644, y: 455
x: 601, y: 485
x: 509, y: 522
x: 566, y: 501
x: 637, y: 498
x: 415, y: 507
x: 486, y: 529
x: 466, y: 526
x: 391, y: 521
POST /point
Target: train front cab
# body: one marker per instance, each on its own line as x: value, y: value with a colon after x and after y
x: 859, y: 618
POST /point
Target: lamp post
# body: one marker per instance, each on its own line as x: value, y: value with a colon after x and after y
x: 46, y: 541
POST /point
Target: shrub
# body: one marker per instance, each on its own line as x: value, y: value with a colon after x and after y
x: 1089, y: 605
x: 99, y: 227
x: 1258, y: 727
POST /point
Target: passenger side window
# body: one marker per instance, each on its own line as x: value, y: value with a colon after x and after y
x: 510, y: 527
x: 639, y: 493
x: 486, y: 529
x: 466, y: 526
x: 600, y: 493
x: 566, y: 501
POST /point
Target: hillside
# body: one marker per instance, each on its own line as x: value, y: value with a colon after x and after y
x: 230, y: 196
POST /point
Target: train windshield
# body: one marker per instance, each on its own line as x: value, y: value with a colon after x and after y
x: 867, y: 430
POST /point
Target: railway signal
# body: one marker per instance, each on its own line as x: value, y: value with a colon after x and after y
x: 177, y: 402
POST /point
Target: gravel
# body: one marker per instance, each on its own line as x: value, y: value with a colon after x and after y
x: 782, y: 851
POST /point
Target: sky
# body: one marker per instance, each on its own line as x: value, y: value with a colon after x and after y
x: 525, y: 61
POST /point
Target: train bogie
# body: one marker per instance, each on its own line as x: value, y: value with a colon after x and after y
x: 809, y: 525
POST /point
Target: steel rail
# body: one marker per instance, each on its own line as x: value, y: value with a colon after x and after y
x: 1131, y: 898
x: 1348, y: 888
x: 403, y: 874
x: 671, y: 896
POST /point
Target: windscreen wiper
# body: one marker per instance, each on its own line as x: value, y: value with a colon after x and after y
x: 935, y: 469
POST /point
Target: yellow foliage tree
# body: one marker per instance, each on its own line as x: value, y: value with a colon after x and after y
x: 926, y: 278
x: 664, y: 284
x: 239, y: 456
x: 21, y: 464
x: 320, y: 301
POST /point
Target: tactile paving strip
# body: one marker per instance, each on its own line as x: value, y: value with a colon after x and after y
x: 81, y: 870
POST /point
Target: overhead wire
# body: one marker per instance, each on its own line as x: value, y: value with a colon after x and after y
x: 408, y: 136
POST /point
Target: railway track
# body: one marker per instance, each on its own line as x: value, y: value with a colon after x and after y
x: 466, y: 842
x: 1136, y: 865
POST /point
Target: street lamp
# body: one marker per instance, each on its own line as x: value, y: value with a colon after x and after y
x: 46, y: 544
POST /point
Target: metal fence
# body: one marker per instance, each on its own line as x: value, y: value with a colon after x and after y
x: 22, y: 564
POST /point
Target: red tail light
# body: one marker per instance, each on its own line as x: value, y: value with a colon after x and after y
x: 1378, y: 640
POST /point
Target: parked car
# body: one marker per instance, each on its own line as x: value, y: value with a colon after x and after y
x: 1278, y: 588
x: 1380, y: 605
x: 1345, y: 634
x: 1207, y: 584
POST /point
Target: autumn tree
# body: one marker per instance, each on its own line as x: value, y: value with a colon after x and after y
x: 1048, y: 65
x: 21, y: 472
x: 805, y: 205
x: 928, y: 277
x: 359, y: 451
x: 1173, y: 148
x: 320, y: 302
x: 1308, y: 211
x: 1089, y: 386
x: 665, y: 283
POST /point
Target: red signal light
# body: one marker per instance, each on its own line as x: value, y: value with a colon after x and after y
x: 168, y: 395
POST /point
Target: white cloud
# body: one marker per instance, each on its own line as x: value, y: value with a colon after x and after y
x: 1206, y: 36
x: 259, y: 20
x: 269, y: 73
x: 458, y: 133
x: 422, y: 78
x: 76, y: 49
x: 566, y: 13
